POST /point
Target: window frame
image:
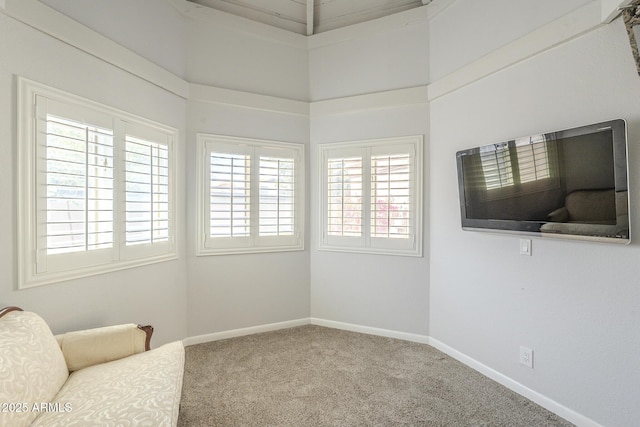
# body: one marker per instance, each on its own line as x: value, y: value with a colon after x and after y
x: 254, y: 242
x: 35, y: 266
x: 365, y: 243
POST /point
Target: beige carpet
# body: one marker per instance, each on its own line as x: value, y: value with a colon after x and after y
x: 316, y: 376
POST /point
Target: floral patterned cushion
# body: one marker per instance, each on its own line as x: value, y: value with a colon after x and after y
x: 32, y: 367
x: 139, y: 390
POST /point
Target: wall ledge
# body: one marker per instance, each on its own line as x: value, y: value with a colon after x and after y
x: 371, y: 101
x: 59, y: 26
x: 49, y: 21
x: 560, y: 31
x: 216, y: 95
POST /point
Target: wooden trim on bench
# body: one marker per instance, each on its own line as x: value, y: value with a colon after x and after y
x: 9, y: 310
x: 148, y: 329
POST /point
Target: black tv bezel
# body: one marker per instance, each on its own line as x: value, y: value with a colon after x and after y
x: 532, y: 228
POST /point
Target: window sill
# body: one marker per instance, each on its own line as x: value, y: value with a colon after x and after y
x: 51, y: 278
x: 372, y: 251
x: 253, y: 250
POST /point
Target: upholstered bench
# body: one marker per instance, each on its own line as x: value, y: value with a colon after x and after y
x: 98, y: 377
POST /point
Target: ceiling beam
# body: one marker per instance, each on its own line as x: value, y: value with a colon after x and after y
x: 310, y: 17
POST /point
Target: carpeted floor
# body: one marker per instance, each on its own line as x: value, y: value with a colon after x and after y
x: 316, y: 376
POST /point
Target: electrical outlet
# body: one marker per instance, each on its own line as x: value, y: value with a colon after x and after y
x: 526, y: 357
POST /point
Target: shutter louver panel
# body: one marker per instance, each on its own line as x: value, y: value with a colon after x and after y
x: 345, y: 193
x: 522, y: 166
x: 147, y: 192
x: 277, y: 207
x: 79, y: 186
x: 230, y: 198
x: 533, y: 161
x: 496, y: 167
x: 391, y: 196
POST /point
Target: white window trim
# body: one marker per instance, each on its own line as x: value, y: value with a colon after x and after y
x: 253, y: 243
x: 365, y: 243
x: 27, y: 234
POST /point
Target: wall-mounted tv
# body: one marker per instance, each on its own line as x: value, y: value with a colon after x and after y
x: 566, y: 184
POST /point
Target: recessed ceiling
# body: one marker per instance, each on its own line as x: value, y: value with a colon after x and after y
x: 309, y: 17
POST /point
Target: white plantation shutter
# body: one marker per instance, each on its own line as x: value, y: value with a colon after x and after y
x: 371, y: 196
x: 250, y: 195
x: 496, y: 166
x: 518, y: 167
x: 79, y: 186
x: 93, y: 197
x: 533, y: 161
x: 277, y: 196
x: 230, y: 195
x: 391, y: 196
x: 344, y: 197
x: 147, y: 212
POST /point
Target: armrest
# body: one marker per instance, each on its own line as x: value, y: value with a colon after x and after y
x: 559, y: 215
x: 82, y: 349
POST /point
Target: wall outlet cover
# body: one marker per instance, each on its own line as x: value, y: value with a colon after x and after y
x: 526, y: 356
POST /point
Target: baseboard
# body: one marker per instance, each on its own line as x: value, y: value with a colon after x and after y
x: 423, y: 339
x: 553, y: 406
x: 200, y: 339
x: 216, y: 336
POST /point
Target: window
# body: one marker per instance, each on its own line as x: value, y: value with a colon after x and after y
x: 371, y: 196
x: 95, y: 188
x: 147, y: 192
x: 250, y: 195
x: 496, y: 166
x: 521, y: 166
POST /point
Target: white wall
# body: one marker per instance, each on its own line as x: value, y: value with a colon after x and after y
x: 479, y: 27
x: 151, y: 28
x: 373, y: 291
x: 153, y: 294
x: 371, y: 57
x: 234, y: 53
x: 229, y: 292
x: 576, y: 304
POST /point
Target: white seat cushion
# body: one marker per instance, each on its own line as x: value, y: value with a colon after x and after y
x: 32, y: 367
x: 139, y: 390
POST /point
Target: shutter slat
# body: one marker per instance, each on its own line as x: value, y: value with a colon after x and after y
x: 345, y: 196
x: 276, y: 207
x: 390, y: 191
x: 78, y: 156
x: 147, y: 191
x: 230, y: 200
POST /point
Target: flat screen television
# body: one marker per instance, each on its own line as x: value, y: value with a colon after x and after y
x: 566, y: 184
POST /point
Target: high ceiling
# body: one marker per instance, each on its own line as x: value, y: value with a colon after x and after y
x: 309, y: 17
